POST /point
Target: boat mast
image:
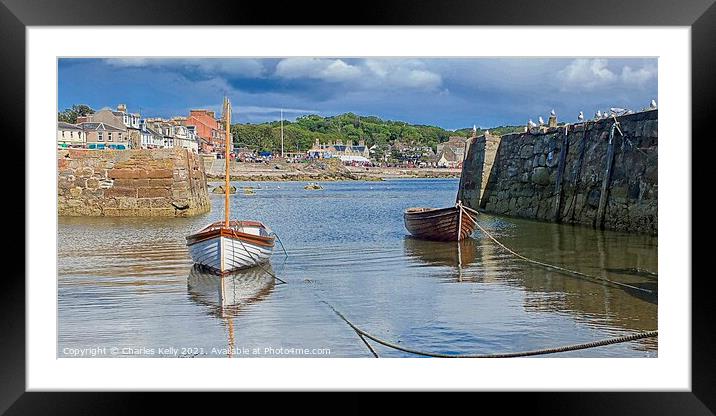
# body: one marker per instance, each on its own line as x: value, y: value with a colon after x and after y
x: 227, y: 120
x: 282, y: 132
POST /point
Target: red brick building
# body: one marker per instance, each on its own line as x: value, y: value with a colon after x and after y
x: 208, y: 129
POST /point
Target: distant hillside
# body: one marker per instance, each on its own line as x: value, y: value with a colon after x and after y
x: 300, y: 135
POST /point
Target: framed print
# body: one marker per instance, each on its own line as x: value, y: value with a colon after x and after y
x: 289, y: 203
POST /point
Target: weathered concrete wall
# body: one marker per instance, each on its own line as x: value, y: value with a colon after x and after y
x: 157, y: 182
x: 522, y: 178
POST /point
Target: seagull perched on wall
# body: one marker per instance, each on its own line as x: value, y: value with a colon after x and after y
x: 580, y: 117
x: 541, y: 121
x: 618, y: 111
x: 652, y: 105
x: 598, y: 115
x: 552, y: 113
x: 531, y: 123
x: 487, y: 132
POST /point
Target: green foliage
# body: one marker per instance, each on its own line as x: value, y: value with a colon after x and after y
x: 302, y: 133
x: 69, y: 115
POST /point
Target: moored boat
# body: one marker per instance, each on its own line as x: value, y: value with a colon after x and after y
x: 441, y: 224
x: 225, y: 246
x: 223, y: 249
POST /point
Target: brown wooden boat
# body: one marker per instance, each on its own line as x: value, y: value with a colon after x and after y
x: 441, y: 224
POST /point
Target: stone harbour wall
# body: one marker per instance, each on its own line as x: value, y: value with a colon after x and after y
x: 141, y: 182
x: 575, y: 178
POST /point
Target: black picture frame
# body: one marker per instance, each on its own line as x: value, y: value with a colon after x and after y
x: 16, y: 15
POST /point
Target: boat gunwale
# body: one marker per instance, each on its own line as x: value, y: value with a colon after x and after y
x: 208, y: 233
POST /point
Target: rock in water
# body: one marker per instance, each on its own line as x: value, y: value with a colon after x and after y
x: 220, y: 189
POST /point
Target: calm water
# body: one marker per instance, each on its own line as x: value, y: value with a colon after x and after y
x: 127, y: 286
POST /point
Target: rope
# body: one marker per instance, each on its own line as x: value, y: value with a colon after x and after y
x: 254, y: 259
x: 543, y: 351
x: 552, y: 266
x: 282, y: 247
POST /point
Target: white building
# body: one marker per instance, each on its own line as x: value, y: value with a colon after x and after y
x: 70, y: 135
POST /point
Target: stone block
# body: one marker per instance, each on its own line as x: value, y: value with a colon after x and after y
x: 540, y: 176
x: 127, y: 203
x: 65, y: 181
x: 144, y: 203
x: 126, y: 173
x: 116, y: 191
x: 153, y: 192
x: 160, y: 202
x: 160, y: 173
x: 526, y: 151
x: 160, y: 182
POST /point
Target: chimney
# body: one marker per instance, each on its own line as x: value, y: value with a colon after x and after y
x: 122, y: 108
x: 552, y: 122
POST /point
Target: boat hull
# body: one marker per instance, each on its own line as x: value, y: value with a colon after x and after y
x: 440, y: 224
x: 223, y: 250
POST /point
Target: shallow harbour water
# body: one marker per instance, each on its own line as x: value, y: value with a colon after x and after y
x: 126, y: 286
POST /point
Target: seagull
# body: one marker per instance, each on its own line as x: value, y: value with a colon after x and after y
x: 487, y: 132
x: 580, y: 117
x: 552, y: 113
x: 652, y: 105
x: 618, y: 111
x: 541, y: 121
x: 531, y: 123
x: 598, y: 115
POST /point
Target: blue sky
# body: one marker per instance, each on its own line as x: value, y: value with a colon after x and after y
x: 447, y: 92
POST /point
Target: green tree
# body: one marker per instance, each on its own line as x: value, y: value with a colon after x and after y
x: 69, y: 115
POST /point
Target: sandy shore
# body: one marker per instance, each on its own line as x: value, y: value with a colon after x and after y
x: 318, y: 171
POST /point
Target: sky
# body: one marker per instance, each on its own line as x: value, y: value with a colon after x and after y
x: 451, y: 93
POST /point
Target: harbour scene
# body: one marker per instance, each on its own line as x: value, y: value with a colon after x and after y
x: 333, y: 236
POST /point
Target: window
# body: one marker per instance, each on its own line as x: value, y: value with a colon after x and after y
x: 72, y: 134
x: 63, y: 134
x: 99, y: 137
x: 109, y: 136
x: 120, y: 136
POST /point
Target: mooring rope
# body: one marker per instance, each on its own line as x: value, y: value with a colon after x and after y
x: 552, y: 266
x: 254, y: 259
x: 282, y: 247
x: 362, y: 334
x: 564, y: 348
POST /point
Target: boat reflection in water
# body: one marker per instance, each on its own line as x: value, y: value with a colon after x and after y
x: 457, y: 254
x: 227, y: 295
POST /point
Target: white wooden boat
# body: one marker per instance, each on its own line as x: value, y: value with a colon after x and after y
x: 225, y: 246
x: 223, y: 249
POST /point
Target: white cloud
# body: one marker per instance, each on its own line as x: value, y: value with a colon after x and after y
x: 586, y: 74
x: 333, y: 70
x: 397, y: 73
x: 638, y: 76
x: 366, y: 74
x: 591, y: 74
